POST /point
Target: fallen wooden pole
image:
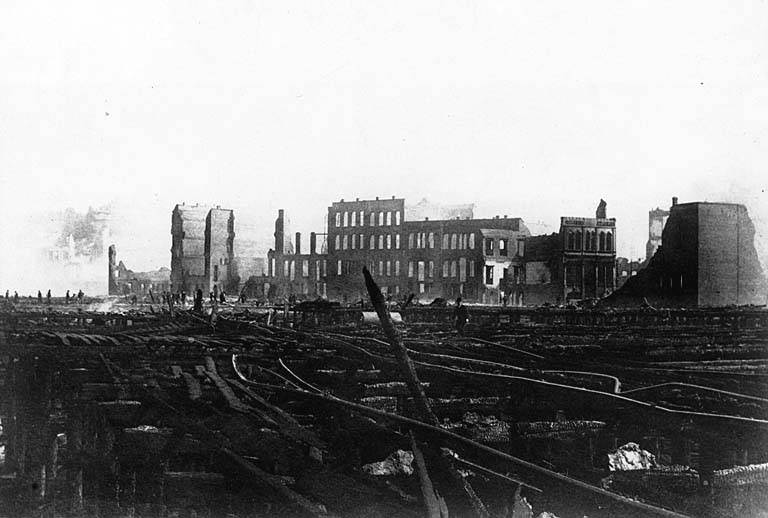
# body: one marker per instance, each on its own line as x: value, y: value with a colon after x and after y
x: 421, y: 402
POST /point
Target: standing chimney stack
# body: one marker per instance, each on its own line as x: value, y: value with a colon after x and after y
x: 298, y: 243
x: 312, y: 243
x: 280, y: 232
x: 674, y: 200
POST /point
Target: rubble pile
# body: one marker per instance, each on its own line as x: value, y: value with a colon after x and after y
x: 246, y: 415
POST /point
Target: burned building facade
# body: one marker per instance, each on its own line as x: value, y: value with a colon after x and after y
x: 289, y: 272
x: 220, y: 250
x: 123, y: 282
x: 707, y: 258
x: 657, y: 218
x: 430, y: 258
x: 577, y: 263
x: 202, y: 248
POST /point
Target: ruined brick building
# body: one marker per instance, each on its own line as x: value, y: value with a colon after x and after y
x: 706, y: 257
x: 577, y: 263
x: 447, y: 258
x: 122, y: 281
x: 657, y: 218
x: 202, y: 249
x: 289, y: 272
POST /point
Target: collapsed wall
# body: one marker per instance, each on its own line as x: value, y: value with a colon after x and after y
x: 707, y: 259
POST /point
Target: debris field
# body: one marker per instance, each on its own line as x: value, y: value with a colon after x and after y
x: 314, y: 411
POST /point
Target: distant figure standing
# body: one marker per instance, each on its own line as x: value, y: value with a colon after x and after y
x: 461, y: 315
x: 66, y: 298
x: 6, y: 294
x: 15, y: 296
x: 39, y: 296
x: 198, y: 300
x: 222, y: 297
x: 48, y: 297
x: 184, y: 297
x: 80, y: 296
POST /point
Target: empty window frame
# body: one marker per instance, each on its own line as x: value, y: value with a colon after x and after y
x: 489, y: 275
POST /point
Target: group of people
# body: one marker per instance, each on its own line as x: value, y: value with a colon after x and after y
x: 67, y: 298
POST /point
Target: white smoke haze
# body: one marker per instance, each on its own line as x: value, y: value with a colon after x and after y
x: 258, y: 106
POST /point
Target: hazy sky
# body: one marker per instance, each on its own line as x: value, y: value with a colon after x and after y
x: 532, y: 109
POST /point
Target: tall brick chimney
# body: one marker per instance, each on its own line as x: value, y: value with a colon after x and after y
x: 298, y: 243
x: 674, y: 200
x: 312, y: 243
x: 280, y: 232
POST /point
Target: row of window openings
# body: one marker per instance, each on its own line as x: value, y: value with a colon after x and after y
x: 355, y: 241
x: 289, y: 269
x: 424, y: 240
x: 590, y: 240
x: 355, y: 218
x: 418, y: 269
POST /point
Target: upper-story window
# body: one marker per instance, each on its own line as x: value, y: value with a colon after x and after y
x: 397, y: 217
x: 489, y: 246
x: 337, y: 243
x: 361, y: 218
x: 345, y: 242
x: 381, y: 219
x: 446, y: 266
x: 389, y: 218
x: 397, y: 267
x: 446, y: 241
x: 577, y: 240
x: 410, y: 240
x: 338, y: 267
x: 431, y: 269
x: 571, y: 242
x: 431, y: 240
x: 353, y: 219
x: 453, y: 268
x: 381, y: 242
x: 397, y: 241
x: 372, y: 220
x: 373, y: 243
x: 503, y: 247
x: 338, y: 219
x: 609, y: 242
x: 353, y: 241
x: 410, y: 268
x: 601, y: 242
x: 389, y: 241
x: 454, y: 240
x: 346, y: 219
x: 472, y: 241
x: 489, y: 274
